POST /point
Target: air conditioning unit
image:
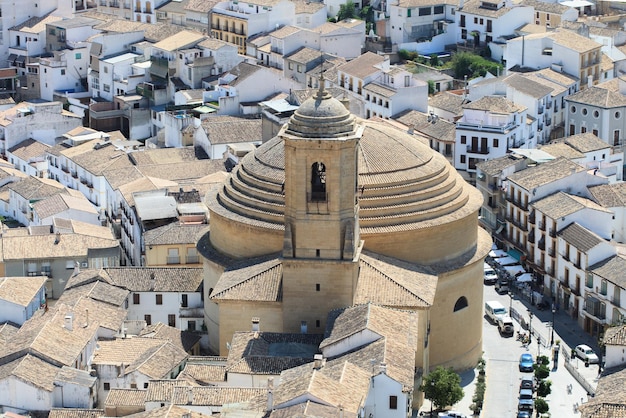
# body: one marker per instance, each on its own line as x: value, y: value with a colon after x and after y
x: 84, y: 264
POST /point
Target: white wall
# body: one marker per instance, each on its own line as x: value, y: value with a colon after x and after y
x: 17, y: 396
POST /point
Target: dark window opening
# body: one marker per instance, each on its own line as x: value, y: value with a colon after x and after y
x: 148, y: 319
x: 318, y: 182
x: 317, y: 323
x: 135, y: 298
x: 393, y: 402
x: 461, y: 303
x: 184, y: 302
x: 317, y: 287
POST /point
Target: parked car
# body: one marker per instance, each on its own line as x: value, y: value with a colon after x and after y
x: 505, y: 325
x: 526, y: 362
x: 585, y: 353
x: 494, y: 310
x: 523, y: 414
x: 527, y: 383
x: 526, y: 401
x: 502, y: 286
x: 452, y: 414
x: 489, y: 274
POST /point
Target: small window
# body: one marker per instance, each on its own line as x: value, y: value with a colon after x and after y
x: 148, y: 319
x: 461, y: 303
x: 584, y: 111
x: 107, y: 386
x: 133, y: 385
x: 171, y: 320
x: 617, y: 115
x: 78, y: 55
x: 462, y: 159
x: 159, y: 299
x: 317, y: 287
x: 393, y: 402
x: 317, y: 323
x: 135, y: 298
x: 145, y: 385
x: 191, y: 325
x: 463, y: 139
x: 62, y: 72
x: 596, y: 114
x: 572, y: 109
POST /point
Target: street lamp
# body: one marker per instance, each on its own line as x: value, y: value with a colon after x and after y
x: 530, y: 327
x: 510, y: 301
x: 552, y: 333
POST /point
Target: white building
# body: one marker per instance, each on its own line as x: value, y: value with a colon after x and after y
x: 615, y: 344
x: 29, y: 157
x: 489, y: 127
x: 21, y: 297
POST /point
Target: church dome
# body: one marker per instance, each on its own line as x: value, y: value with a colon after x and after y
x: 404, y: 186
x: 321, y: 116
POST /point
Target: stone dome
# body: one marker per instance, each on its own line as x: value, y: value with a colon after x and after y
x: 321, y: 116
x: 403, y: 186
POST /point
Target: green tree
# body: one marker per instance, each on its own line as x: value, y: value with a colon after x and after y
x: 431, y: 87
x: 472, y: 65
x: 346, y: 11
x: 541, y: 371
x: 442, y: 387
x: 544, y: 388
x: 543, y: 360
x: 541, y: 406
x: 434, y: 60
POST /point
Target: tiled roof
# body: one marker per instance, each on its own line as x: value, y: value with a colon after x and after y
x: 380, y: 89
x: 36, y: 25
x: 307, y: 6
x: 171, y: 411
x: 586, y: 142
x: 562, y: 149
x: 304, y: 55
x: 362, y: 66
x: 213, y: 44
x: 609, y: 195
x: 161, y: 390
x: 495, y: 166
x: 118, y: 177
x: 541, y: 6
x: 310, y: 409
x: 163, y: 156
x: 561, y: 204
x: 213, y: 395
x: 449, y: 102
x: 261, y: 281
x: 284, y: 31
x: 242, y: 71
x: 422, y: 3
x: 440, y: 129
x: 156, y: 279
x: 174, y: 233
x: 527, y: 86
x: 182, y: 39
x: 33, y: 188
x: 391, y: 282
x: 58, y: 203
x: 599, y: 97
x: 615, y: 335
x: 151, y: 357
x: 574, y: 41
x: 49, y: 246
x: 232, y: 130
x: 204, y: 373
x: 474, y: 7
x: 545, y: 173
x: 182, y: 171
x: 494, y: 104
x: 202, y: 6
x: 20, y: 290
x: 98, y: 159
x: 338, y: 384
x: 125, y: 397
x: 31, y: 370
x: 580, y: 237
x: 29, y: 149
x: 185, y: 340
x: 610, y: 398
x: 611, y: 269
x: 75, y: 413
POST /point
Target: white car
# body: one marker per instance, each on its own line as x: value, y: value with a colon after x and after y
x: 490, y: 276
x: 585, y: 353
x: 452, y: 414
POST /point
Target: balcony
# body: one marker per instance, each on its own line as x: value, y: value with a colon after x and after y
x: 485, y: 128
x: 477, y: 150
x: 542, y: 244
x: 551, y: 252
x: 542, y: 226
x: 531, y: 218
x: 552, y: 233
x: 531, y: 237
x: 65, y: 169
x: 43, y: 273
x: 173, y: 260
x: 186, y: 312
x: 517, y: 202
x: 104, y: 110
x: 192, y: 259
x: 75, y: 174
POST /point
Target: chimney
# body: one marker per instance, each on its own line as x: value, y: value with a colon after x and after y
x: 86, y: 318
x: 76, y: 268
x: 589, y: 81
x: 411, y: 129
x: 318, y: 361
x: 255, y: 324
x: 270, y: 394
x: 57, y: 238
x: 190, y: 396
x: 69, y: 321
x: 382, y: 368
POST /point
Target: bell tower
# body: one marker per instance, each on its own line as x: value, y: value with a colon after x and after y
x: 321, y: 244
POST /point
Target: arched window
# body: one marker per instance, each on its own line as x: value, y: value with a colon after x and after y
x: 460, y: 303
x: 318, y: 182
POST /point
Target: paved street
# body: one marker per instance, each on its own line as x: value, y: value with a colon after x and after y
x: 502, y: 357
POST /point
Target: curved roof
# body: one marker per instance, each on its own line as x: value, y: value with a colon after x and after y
x: 402, y: 183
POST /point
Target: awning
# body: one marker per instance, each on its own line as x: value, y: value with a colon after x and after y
x: 576, y: 3
x: 506, y: 261
x: 500, y: 228
x: 11, y: 59
x: 515, y: 269
x: 524, y: 278
x: 20, y: 59
x: 516, y: 254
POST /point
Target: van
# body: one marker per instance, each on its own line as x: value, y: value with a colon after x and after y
x: 494, y: 310
x: 489, y: 274
x: 505, y: 325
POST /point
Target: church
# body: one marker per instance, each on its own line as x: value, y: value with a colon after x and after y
x: 336, y: 211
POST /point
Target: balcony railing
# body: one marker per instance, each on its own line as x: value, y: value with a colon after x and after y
x: 173, y: 260
x: 477, y: 150
x: 192, y: 259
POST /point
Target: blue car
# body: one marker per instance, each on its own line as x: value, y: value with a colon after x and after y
x: 526, y: 362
